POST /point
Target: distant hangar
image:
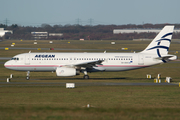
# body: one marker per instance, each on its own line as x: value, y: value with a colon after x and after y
x: 117, y: 31
x: 44, y: 35
x: 2, y: 32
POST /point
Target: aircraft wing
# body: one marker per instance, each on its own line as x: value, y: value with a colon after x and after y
x: 88, y: 64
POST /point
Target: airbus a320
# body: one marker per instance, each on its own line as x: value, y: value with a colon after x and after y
x: 72, y: 64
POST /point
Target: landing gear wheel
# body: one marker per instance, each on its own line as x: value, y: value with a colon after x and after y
x: 27, y: 77
x: 86, y: 76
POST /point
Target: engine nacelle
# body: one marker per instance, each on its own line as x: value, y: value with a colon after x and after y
x: 64, y: 71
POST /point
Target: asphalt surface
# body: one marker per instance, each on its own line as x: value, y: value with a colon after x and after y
x: 5, y: 58
x: 5, y: 84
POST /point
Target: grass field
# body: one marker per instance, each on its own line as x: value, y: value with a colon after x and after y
x: 107, y: 102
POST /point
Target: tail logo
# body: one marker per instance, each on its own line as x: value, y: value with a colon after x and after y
x: 161, y: 46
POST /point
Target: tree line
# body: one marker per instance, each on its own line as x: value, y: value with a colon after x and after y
x: 76, y: 32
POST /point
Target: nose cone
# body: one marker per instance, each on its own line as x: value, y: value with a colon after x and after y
x: 7, y: 64
x: 10, y: 65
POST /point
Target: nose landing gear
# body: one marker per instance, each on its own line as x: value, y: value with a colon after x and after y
x: 85, y: 75
x: 28, y: 75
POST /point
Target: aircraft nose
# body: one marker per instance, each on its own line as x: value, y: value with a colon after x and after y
x: 9, y: 65
x: 6, y: 64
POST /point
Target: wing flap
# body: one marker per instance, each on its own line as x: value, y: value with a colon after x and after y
x: 86, y: 64
x: 89, y: 64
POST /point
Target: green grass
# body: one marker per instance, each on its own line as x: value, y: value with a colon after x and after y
x: 109, y: 102
x: 169, y: 69
x: 96, y: 46
x: 139, y: 75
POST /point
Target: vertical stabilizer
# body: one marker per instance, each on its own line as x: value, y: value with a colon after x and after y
x: 160, y: 44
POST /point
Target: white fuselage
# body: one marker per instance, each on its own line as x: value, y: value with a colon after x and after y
x: 50, y: 61
x: 71, y: 64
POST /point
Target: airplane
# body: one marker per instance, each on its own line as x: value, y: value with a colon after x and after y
x: 72, y: 64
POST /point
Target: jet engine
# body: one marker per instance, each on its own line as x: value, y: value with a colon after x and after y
x: 64, y: 71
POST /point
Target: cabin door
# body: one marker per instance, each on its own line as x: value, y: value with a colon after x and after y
x: 141, y: 60
x: 27, y: 59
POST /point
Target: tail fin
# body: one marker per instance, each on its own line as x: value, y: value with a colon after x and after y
x: 160, y: 44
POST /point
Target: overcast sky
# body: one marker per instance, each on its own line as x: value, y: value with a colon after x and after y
x: 85, y: 12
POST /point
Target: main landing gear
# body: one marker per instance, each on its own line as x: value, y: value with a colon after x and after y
x: 28, y: 75
x: 85, y: 75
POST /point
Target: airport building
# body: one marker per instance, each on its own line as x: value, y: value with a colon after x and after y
x: 39, y: 35
x: 45, y: 35
x: 117, y: 31
x: 56, y: 34
x: 3, y: 32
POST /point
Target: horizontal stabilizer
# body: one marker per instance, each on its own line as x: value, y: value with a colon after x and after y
x: 167, y: 58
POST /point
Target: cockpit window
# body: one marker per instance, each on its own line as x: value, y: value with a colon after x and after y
x: 14, y: 58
